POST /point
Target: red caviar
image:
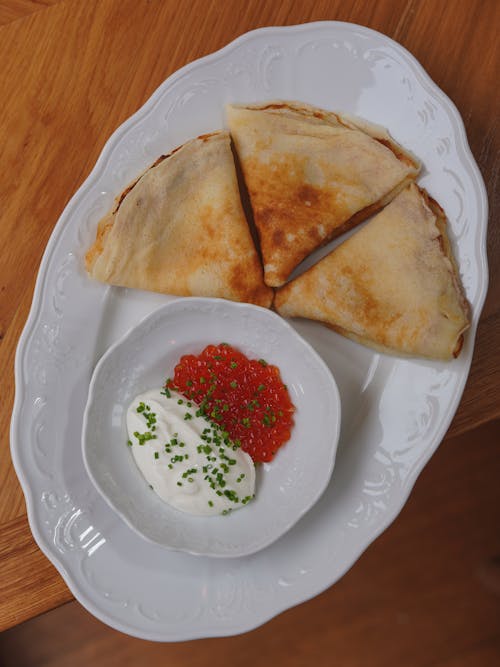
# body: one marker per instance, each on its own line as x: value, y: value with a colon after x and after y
x: 246, y: 397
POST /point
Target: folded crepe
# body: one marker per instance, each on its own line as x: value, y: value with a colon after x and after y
x: 312, y: 175
x: 180, y: 229
x: 393, y: 285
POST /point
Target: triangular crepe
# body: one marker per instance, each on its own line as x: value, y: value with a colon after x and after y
x: 180, y: 229
x: 393, y: 285
x: 311, y: 175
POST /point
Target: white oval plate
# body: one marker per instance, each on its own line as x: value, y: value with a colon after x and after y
x: 394, y: 412
x: 286, y: 488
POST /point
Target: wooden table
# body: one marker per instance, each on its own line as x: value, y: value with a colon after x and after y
x: 72, y: 71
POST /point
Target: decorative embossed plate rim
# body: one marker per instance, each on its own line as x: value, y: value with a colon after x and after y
x: 286, y: 489
x: 407, y: 405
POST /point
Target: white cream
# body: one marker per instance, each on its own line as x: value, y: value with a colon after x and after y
x: 186, y: 483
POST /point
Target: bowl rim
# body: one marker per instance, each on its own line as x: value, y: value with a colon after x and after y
x: 287, y: 330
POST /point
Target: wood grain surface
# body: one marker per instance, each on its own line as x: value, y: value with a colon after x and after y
x: 73, y: 70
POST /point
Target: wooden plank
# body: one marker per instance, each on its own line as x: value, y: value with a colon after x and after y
x: 11, y: 10
x: 481, y: 396
x: 29, y: 584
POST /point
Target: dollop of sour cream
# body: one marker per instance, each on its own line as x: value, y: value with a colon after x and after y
x: 189, y: 461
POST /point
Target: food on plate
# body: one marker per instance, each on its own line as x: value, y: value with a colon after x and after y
x: 180, y: 229
x: 189, y: 461
x: 196, y: 440
x: 244, y: 396
x: 393, y: 285
x: 312, y: 175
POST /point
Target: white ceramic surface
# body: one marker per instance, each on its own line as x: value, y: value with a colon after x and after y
x: 394, y: 412
x: 286, y: 488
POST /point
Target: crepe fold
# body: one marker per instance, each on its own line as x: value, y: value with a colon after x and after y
x: 180, y: 229
x: 393, y: 285
x: 312, y: 175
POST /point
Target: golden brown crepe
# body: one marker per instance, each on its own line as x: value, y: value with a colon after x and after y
x: 180, y: 229
x: 393, y: 285
x: 311, y: 175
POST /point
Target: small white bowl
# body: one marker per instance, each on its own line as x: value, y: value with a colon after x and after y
x: 285, y: 489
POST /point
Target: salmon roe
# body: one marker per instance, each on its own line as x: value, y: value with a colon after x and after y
x: 246, y: 397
